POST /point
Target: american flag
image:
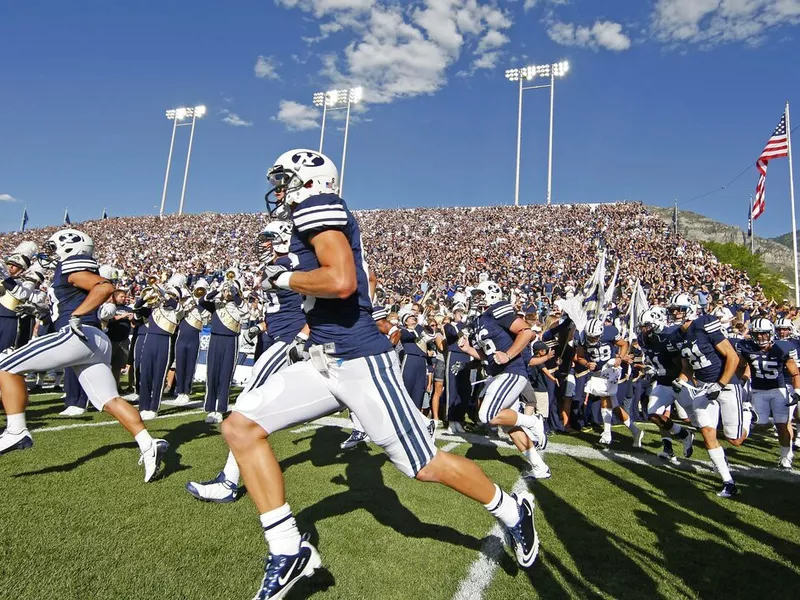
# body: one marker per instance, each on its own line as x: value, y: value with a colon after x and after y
x: 777, y: 147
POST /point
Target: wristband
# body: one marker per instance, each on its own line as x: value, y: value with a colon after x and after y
x: 302, y: 336
x: 282, y: 281
x: 393, y: 330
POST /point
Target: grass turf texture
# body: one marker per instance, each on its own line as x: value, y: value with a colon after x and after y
x: 77, y: 522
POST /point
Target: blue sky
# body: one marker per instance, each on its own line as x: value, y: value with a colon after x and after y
x: 665, y: 99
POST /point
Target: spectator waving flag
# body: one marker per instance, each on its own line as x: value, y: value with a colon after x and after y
x: 777, y: 147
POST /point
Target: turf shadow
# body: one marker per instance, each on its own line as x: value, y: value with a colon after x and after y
x: 706, y: 567
x: 71, y: 466
x: 185, y: 432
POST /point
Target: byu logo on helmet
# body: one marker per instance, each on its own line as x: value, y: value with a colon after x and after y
x: 308, y: 159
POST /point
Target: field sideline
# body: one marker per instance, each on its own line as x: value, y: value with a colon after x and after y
x: 76, y: 521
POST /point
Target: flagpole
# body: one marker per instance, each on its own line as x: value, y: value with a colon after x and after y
x: 791, y: 199
x: 752, y: 227
x: 24, y: 214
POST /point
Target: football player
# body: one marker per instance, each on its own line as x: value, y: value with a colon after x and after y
x: 349, y: 365
x: 784, y: 330
x: 664, y: 359
x: 601, y: 349
x: 766, y: 360
x: 287, y: 333
x: 76, y: 294
x: 709, y: 358
x: 499, y: 337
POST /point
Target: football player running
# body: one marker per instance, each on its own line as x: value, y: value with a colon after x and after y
x: 499, y: 337
x: 709, y: 359
x: 784, y: 330
x: 350, y: 365
x: 601, y: 349
x: 766, y: 360
x: 286, y: 334
x: 665, y: 359
x: 76, y: 293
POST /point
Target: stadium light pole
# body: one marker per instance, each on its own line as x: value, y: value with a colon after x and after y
x: 338, y: 100
x: 520, y: 76
x: 196, y: 113
x: 174, y: 115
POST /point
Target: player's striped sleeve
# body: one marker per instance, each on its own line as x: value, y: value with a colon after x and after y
x: 502, y: 309
x: 379, y: 313
x: 713, y: 325
x: 320, y: 217
x: 79, y: 263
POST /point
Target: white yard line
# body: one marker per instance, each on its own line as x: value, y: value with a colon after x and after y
x: 481, y: 571
x: 106, y: 423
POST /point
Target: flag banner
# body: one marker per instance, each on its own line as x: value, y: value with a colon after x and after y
x: 777, y: 147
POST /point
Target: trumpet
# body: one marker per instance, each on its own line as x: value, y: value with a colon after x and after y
x: 152, y: 280
x: 199, y: 293
x: 152, y: 295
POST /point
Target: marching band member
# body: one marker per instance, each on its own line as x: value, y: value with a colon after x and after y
x: 187, y: 346
x: 141, y: 313
x: 225, y: 305
x: 14, y: 291
x: 157, y: 348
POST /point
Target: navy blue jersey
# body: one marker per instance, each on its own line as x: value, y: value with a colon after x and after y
x: 604, y: 350
x: 493, y: 332
x: 379, y: 313
x: 346, y: 324
x: 663, y: 354
x: 284, y: 309
x: 118, y: 330
x: 794, y: 353
x: 452, y: 331
x: 698, y: 346
x: 65, y: 297
x: 766, y: 367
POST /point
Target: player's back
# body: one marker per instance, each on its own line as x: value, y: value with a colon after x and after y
x: 65, y: 297
x: 345, y: 325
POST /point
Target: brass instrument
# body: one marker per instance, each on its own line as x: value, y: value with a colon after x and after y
x: 152, y: 295
x: 152, y: 280
x: 198, y: 293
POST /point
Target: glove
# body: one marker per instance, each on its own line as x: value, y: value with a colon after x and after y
x: 295, y: 350
x: 25, y: 310
x: 253, y: 333
x: 271, y: 275
x: 795, y: 398
x: 677, y: 385
x: 455, y: 368
x: 75, y: 326
x: 712, y: 391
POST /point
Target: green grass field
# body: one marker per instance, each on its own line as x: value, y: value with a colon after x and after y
x: 78, y: 523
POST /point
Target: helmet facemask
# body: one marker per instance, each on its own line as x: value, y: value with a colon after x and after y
x: 784, y: 333
x: 763, y: 339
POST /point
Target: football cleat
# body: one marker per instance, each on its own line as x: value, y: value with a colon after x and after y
x: 785, y: 463
x: 638, y: 436
x: 688, y: 441
x: 152, y: 457
x: 218, y: 489
x: 282, y: 571
x: 523, y: 536
x: 15, y: 441
x: 72, y: 411
x: 538, y: 472
x: 729, y: 490
x: 356, y: 437
x: 667, y: 457
x: 605, y: 440
x: 540, y: 438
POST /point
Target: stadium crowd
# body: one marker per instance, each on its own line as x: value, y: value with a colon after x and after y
x: 537, y: 254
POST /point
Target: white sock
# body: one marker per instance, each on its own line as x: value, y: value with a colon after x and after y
x: 144, y: 439
x: 231, y: 469
x: 356, y: 422
x: 717, y: 456
x: 16, y: 423
x: 676, y: 429
x: 606, y: 414
x: 747, y: 421
x: 533, y: 457
x: 786, y: 451
x: 503, y: 507
x: 39, y: 379
x: 280, y: 531
x: 530, y: 421
x: 58, y: 379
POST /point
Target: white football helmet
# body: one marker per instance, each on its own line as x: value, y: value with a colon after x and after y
x: 298, y: 175
x: 784, y: 328
x: 681, y: 308
x: 762, y: 331
x: 68, y: 242
x: 652, y: 321
x: 279, y: 235
x: 593, y: 330
x: 485, y: 294
x: 35, y: 274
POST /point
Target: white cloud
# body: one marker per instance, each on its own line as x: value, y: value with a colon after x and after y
x: 296, y: 116
x: 603, y: 34
x: 401, y: 50
x: 235, y: 120
x: 713, y: 22
x: 266, y: 68
x: 7, y: 198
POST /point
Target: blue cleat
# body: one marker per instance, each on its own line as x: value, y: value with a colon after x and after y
x: 729, y: 490
x: 218, y: 489
x: 356, y: 437
x: 524, y: 538
x: 15, y: 441
x: 281, y: 571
